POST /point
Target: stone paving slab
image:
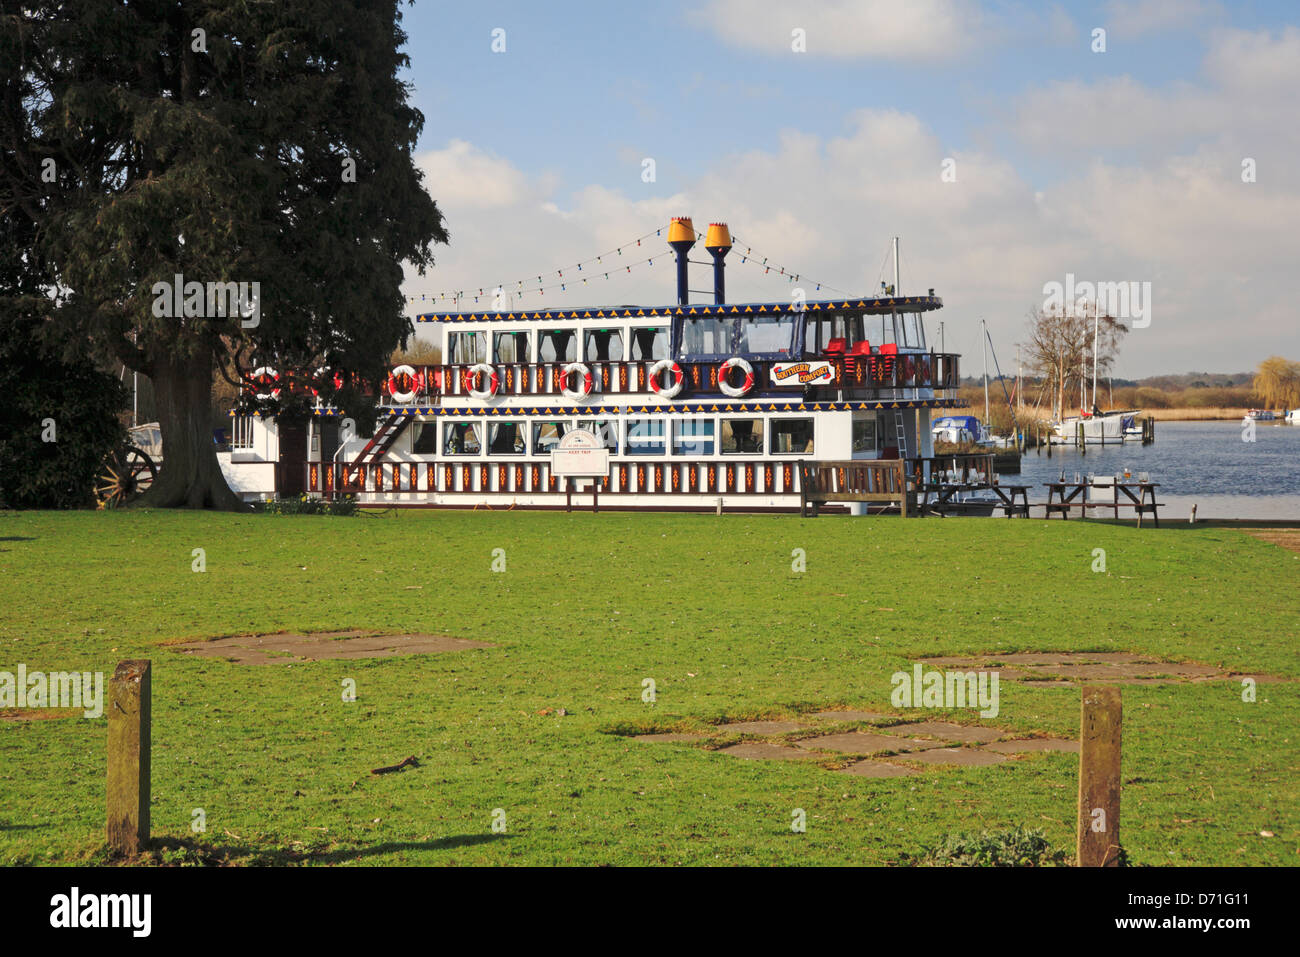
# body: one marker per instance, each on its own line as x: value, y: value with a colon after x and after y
x: 670, y: 736
x: 762, y: 727
x: 287, y: 647
x: 1030, y: 745
x: 850, y: 715
x: 861, y: 742
x: 966, y: 734
x: 763, y: 751
x: 968, y: 757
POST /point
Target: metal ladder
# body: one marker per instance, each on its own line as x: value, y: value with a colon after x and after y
x: 901, y: 432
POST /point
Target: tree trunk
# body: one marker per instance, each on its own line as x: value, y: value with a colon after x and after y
x: 190, y: 476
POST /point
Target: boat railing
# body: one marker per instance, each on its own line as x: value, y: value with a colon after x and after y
x: 854, y: 376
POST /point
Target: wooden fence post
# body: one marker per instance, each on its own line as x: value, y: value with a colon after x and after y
x: 129, y: 723
x: 1099, y: 776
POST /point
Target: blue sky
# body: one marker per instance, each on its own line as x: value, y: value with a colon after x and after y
x: 1067, y: 159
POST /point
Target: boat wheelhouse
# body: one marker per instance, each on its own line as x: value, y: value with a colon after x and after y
x: 694, y: 403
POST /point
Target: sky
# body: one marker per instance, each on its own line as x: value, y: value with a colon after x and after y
x: 1008, y: 145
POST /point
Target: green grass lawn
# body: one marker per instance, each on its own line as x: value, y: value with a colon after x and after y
x: 588, y: 607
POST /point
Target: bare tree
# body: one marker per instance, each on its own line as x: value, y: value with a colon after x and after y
x: 1060, y: 349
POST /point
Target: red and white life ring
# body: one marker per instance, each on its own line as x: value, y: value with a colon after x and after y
x: 679, y: 378
x: 262, y: 375
x: 588, y: 383
x: 490, y: 376
x: 417, y: 384
x: 735, y: 362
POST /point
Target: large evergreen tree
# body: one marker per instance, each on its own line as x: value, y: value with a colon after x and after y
x: 221, y: 141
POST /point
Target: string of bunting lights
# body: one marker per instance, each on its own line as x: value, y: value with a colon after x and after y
x: 758, y: 259
x: 537, y: 284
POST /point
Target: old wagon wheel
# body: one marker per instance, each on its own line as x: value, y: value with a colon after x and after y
x: 127, y: 473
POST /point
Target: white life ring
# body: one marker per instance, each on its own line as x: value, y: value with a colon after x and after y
x: 268, y: 373
x: 679, y: 378
x: 735, y: 362
x: 417, y: 383
x: 490, y: 375
x: 588, y: 383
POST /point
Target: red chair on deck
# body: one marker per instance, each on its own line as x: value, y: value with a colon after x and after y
x: 837, y: 347
x: 860, y: 353
x: 882, y: 366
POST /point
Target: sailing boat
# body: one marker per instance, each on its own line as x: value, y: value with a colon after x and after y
x: 967, y: 429
x: 1098, y: 427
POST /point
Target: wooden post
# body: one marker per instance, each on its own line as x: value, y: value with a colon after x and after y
x: 568, y: 494
x: 1099, y: 776
x: 129, y: 725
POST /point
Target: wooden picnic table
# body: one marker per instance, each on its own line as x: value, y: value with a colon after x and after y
x: 1007, y: 495
x: 1139, y: 496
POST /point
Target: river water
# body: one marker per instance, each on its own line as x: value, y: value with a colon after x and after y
x: 1206, y: 463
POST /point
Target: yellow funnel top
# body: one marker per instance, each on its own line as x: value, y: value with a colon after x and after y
x: 718, y: 236
x: 680, y: 230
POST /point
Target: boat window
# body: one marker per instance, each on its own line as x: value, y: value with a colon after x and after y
x: 793, y: 436
x: 864, y: 434
x: 767, y: 333
x: 825, y: 327
x: 466, y: 348
x: 874, y: 328
x: 505, y: 438
x: 693, y: 437
x: 708, y: 336
x: 546, y: 435
x: 425, y: 441
x: 606, y: 430
x: 557, y: 345
x: 742, y: 436
x: 911, y: 337
x: 649, y: 344
x: 461, y: 438
x: 604, y: 345
x: 511, y: 346
x: 645, y: 436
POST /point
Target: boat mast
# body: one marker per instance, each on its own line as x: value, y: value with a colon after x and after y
x: 985, y: 344
x: 1096, y: 326
x: 897, y: 328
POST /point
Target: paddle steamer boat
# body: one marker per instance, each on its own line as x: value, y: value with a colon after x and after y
x: 690, y: 404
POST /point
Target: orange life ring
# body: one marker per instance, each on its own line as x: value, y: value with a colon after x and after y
x: 470, y: 380
x: 735, y: 362
x: 679, y: 378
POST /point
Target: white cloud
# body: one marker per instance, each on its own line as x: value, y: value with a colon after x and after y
x: 1133, y: 18
x: 1219, y: 252
x: 848, y: 28
x: 466, y: 175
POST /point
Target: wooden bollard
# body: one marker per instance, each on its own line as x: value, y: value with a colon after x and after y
x: 1099, y: 776
x: 128, y: 756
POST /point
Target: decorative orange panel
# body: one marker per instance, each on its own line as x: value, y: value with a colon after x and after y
x: 713, y: 478
x: 466, y: 479
x: 731, y: 478
x: 749, y: 478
